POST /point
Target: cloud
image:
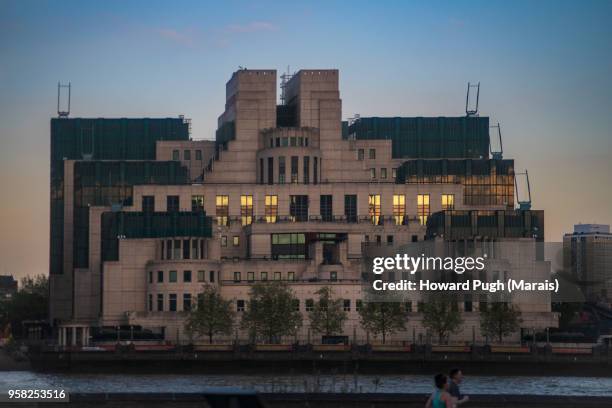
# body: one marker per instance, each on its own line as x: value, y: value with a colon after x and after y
x: 252, y: 27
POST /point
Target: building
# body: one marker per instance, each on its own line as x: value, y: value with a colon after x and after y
x: 142, y: 216
x: 588, y: 258
x: 8, y: 286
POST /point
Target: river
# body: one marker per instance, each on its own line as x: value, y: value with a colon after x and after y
x: 148, y: 383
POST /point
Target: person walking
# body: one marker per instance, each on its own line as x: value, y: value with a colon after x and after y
x: 456, y: 378
x: 440, y: 398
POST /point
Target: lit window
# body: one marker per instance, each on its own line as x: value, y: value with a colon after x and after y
x: 291, y: 276
x: 201, y: 276
x: 383, y: 173
x: 222, y: 207
x: 250, y: 276
x: 393, y: 173
x: 448, y: 201
x: 172, y: 276
x: 277, y: 276
x: 264, y: 276
x: 236, y: 240
x: 271, y: 208
x: 423, y: 208
x: 372, y: 173
x: 399, y: 208
x: 374, y: 208
x: 197, y: 203
x: 236, y: 276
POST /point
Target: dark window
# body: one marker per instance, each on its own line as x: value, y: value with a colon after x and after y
x: 172, y: 302
x: 315, y: 170
x: 224, y: 240
x: 198, y: 154
x: 240, y: 305
x: 281, y: 170
x: 148, y: 204
x: 298, y: 208
x: 187, y: 154
x: 186, y: 276
x: 150, y: 276
x: 186, y: 248
x: 261, y: 171
x: 347, y: 305
x: 294, y: 169
x: 172, y: 203
x: 236, y: 276
x: 160, y: 302
x: 201, y: 276
x: 270, y: 170
x: 326, y: 208
x: 289, y: 246
x: 176, y: 155
x: 186, y: 302
x: 309, y: 305
x: 172, y: 276
x: 160, y: 276
x: 306, y: 169
x: 333, y: 276
x: 350, y: 207
x: 250, y: 276
x: 360, y: 154
x: 389, y: 239
x: 197, y: 203
x: 211, y: 276
x: 372, y: 154
x: 168, y: 249
x: 150, y: 303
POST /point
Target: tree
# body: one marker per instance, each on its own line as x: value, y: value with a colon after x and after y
x: 383, y: 318
x: 211, y: 315
x: 271, y: 311
x: 327, y: 316
x: 500, y: 320
x: 441, y: 316
x: 31, y: 302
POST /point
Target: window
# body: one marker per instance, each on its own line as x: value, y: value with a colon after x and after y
x: 148, y: 204
x: 261, y: 171
x: 277, y: 276
x: 372, y: 154
x: 390, y: 240
x: 372, y: 173
x: 172, y: 302
x: 289, y: 246
x: 176, y: 155
x: 350, y: 207
x: 374, y: 208
x: 383, y: 173
x: 198, y: 154
x: 177, y: 249
x: 360, y: 154
x: 408, y: 307
x: 195, y: 249
x: 223, y: 240
x: 294, y: 169
x: 169, y: 249
x: 250, y: 276
x: 150, y: 303
x: 291, y: 276
x: 326, y: 208
x: 264, y: 276
x: 222, y: 207
x: 284, y: 141
x: 186, y: 248
x: 187, y: 155
x: 296, y: 302
x: 292, y: 142
x: 150, y: 276
x: 270, y: 170
x: 423, y: 208
x: 309, y: 305
x: 236, y: 240
x: 186, y: 302
x: 448, y: 201
x: 160, y: 302
x: 240, y: 305
x: 315, y: 170
x: 160, y: 276
x: 306, y: 160
x: 358, y: 304
x: 237, y: 277
x: 187, y: 276
x: 281, y: 170
x: 394, y: 173
x: 347, y: 305
x: 172, y: 276
x: 201, y: 276
x: 378, y: 240
x: 271, y: 208
x: 246, y: 209
x: 399, y: 209
x: 197, y: 203
x: 172, y: 203
x: 333, y: 276
x: 211, y: 276
x: 298, y: 208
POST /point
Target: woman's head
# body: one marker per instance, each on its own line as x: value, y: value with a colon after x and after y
x: 441, y: 382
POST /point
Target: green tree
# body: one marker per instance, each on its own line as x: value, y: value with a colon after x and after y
x: 211, y: 315
x: 271, y: 312
x: 500, y: 320
x: 441, y: 316
x: 327, y: 316
x: 31, y: 302
x: 383, y: 318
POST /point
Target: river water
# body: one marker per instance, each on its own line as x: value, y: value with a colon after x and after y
x: 162, y: 383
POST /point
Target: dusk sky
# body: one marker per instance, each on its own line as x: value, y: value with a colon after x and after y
x: 545, y: 69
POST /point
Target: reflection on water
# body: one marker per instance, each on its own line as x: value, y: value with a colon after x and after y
x: 581, y: 386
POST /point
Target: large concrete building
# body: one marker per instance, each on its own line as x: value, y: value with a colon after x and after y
x: 588, y: 258
x: 142, y: 216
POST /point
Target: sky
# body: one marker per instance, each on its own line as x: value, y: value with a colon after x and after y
x: 545, y: 69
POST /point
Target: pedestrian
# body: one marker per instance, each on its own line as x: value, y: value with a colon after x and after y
x: 440, y: 398
x: 456, y: 378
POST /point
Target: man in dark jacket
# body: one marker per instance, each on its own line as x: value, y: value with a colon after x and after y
x: 456, y: 377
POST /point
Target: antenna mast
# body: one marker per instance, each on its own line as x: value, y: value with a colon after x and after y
x: 284, y: 80
x: 63, y: 113
x: 498, y: 154
x: 525, y: 204
x: 472, y: 109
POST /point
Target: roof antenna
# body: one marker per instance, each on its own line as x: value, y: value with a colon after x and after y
x: 283, y: 85
x: 63, y: 113
x: 497, y: 154
x: 472, y: 109
x: 523, y: 204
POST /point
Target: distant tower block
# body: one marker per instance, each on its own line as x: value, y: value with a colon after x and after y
x: 60, y: 111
